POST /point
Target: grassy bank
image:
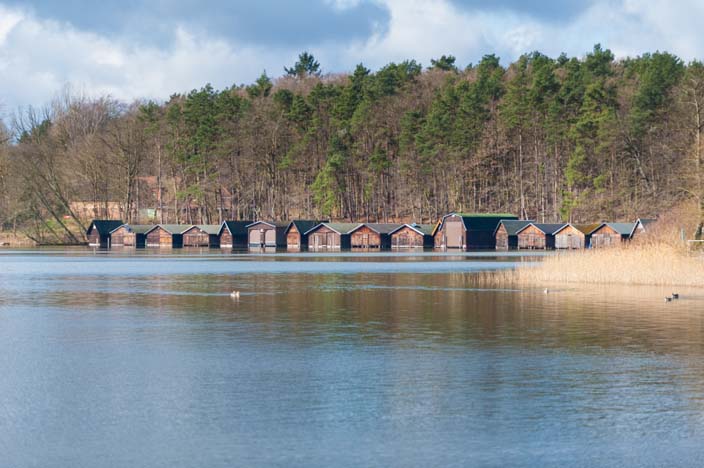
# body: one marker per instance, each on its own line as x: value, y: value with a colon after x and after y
x: 656, y: 264
x: 9, y: 239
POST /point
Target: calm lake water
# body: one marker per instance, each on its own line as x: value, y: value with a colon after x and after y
x: 124, y: 360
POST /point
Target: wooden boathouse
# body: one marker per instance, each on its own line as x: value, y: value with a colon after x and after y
x: 506, y: 233
x: 99, y: 231
x: 331, y: 236
x: 469, y: 231
x: 642, y: 227
x: 166, y: 235
x: 372, y: 236
x: 570, y: 238
x: 202, y: 235
x: 263, y: 234
x: 233, y: 234
x: 587, y: 230
x: 129, y: 235
x: 538, y: 236
x: 611, y: 234
x: 296, y: 237
x: 412, y: 236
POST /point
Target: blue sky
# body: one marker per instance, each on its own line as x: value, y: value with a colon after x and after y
x: 133, y: 49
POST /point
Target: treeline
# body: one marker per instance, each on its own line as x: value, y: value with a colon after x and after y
x: 571, y: 139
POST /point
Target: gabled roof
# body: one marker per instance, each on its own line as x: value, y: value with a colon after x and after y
x: 566, y: 225
x: 172, y: 228
x: 644, y: 222
x: 235, y: 227
x: 423, y: 229
x: 304, y: 225
x: 480, y: 221
x: 587, y: 228
x: 340, y: 228
x: 135, y: 228
x: 206, y: 228
x: 625, y: 229
x: 268, y: 223
x: 549, y: 228
x: 104, y: 226
x: 545, y: 228
x: 513, y: 225
x: 485, y: 215
x: 381, y: 228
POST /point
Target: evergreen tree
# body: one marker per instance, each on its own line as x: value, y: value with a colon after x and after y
x: 304, y: 67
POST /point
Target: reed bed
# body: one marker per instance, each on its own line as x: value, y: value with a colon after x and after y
x: 653, y: 264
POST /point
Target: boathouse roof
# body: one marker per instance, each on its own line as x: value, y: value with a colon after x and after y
x: 480, y: 221
x: 423, y: 229
x: 512, y: 226
x: 304, y: 225
x: 209, y: 228
x: 104, y: 226
x: 173, y: 228
x: 625, y: 229
x: 381, y: 228
x: 340, y: 228
x: 135, y: 228
x: 235, y: 227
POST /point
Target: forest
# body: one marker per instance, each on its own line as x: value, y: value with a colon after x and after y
x: 577, y: 139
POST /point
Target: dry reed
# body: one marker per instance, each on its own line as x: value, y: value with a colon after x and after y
x: 657, y: 264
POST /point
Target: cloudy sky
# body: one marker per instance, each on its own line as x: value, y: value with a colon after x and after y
x: 151, y: 49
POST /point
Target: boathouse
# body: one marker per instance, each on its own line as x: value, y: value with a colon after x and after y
x: 330, y: 236
x: 263, y: 234
x: 412, y: 236
x: 166, y: 235
x: 642, y: 227
x: 202, y: 235
x: 129, y: 235
x: 469, y: 231
x: 372, y: 235
x: 611, y: 234
x: 233, y: 234
x: 296, y: 238
x: 587, y: 230
x: 506, y: 233
x: 98, y: 233
x: 569, y: 237
x: 538, y: 236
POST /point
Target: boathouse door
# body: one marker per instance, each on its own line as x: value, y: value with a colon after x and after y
x: 455, y: 233
x: 270, y: 237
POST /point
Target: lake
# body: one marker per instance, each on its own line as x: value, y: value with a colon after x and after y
x: 126, y: 359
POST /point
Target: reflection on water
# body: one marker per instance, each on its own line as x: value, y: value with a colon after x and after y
x: 400, y: 360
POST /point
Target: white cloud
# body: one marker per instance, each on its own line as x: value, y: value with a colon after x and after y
x: 39, y: 56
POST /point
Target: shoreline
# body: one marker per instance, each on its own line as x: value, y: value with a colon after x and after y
x: 656, y: 264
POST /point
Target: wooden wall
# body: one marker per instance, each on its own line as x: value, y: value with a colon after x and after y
x: 569, y: 238
x: 195, y: 237
x: 502, y: 238
x: 365, y: 238
x: 452, y: 234
x: 605, y: 236
x: 532, y: 238
x: 406, y: 238
x: 159, y: 238
x: 324, y: 238
x: 119, y: 236
x: 293, y: 239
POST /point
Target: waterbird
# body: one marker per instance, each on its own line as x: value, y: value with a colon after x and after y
x: 546, y: 291
x: 235, y: 294
x: 675, y: 295
x: 668, y: 298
